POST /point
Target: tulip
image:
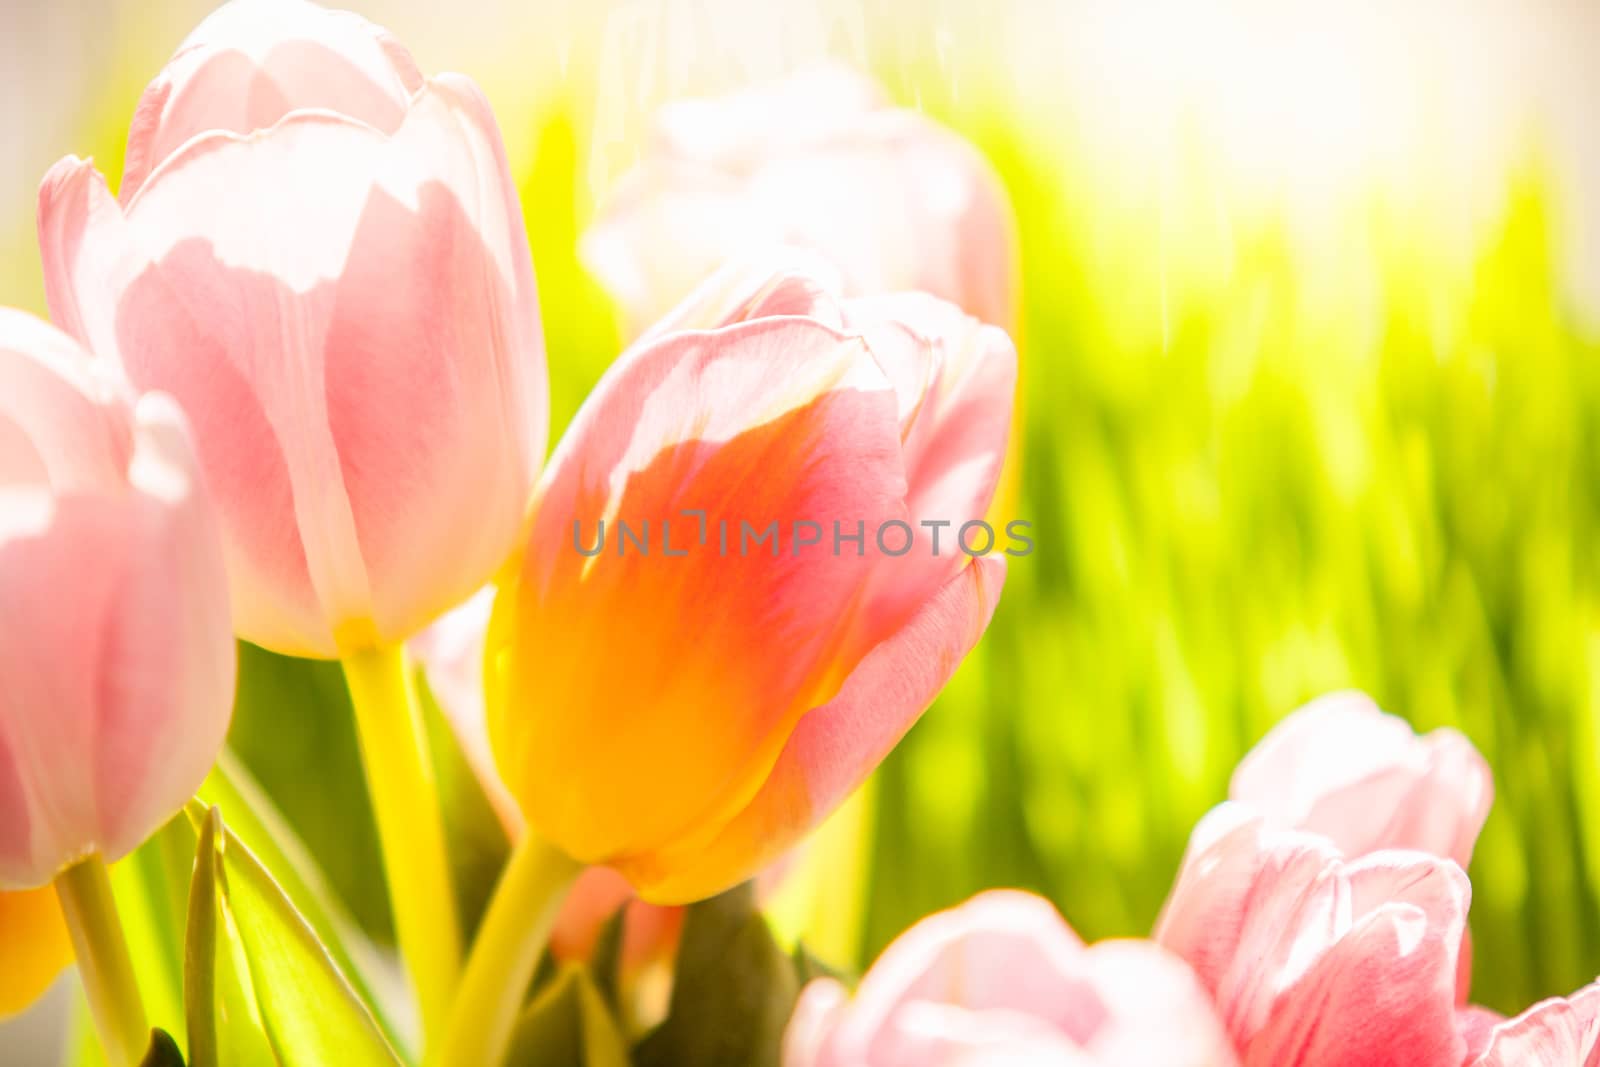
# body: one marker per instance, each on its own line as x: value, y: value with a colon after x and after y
x: 342, y: 301
x: 1316, y: 958
x: 1002, y: 979
x: 115, y: 655
x: 762, y: 683
x: 34, y: 947
x: 1559, y: 1032
x: 1342, y: 768
x: 321, y: 255
x: 820, y: 160
x: 685, y: 716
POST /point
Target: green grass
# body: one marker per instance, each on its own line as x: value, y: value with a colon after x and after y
x: 1254, y: 479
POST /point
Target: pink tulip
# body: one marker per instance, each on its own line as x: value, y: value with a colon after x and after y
x: 1314, y: 958
x: 1559, y: 1032
x: 818, y: 160
x: 687, y: 718
x: 322, y: 257
x: 116, y: 661
x: 1342, y: 768
x: 1003, y: 980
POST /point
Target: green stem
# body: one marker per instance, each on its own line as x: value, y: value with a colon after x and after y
x: 104, y: 965
x: 505, y: 953
x: 394, y: 752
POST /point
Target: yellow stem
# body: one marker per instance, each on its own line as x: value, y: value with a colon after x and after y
x: 505, y: 953
x: 394, y: 751
x: 104, y: 965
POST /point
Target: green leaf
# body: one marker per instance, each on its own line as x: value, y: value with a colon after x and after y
x: 568, y: 1024
x: 256, y: 967
x: 223, y: 1024
x: 732, y: 994
x: 163, y: 1051
x: 256, y: 821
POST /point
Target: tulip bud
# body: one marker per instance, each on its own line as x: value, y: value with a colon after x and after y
x: 819, y: 160
x: 322, y: 257
x: 115, y: 654
x: 1003, y: 980
x: 1316, y: 958
x: 765, y: 615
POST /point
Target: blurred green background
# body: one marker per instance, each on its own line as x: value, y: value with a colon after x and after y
x: 1310, y: 400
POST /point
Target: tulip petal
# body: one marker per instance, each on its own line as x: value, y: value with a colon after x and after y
x: 836, y: 746
x: 1384, y: 992
x: 251, y: 62
x: 897, y: 203
x: 1476, y: 1027
x: 1342, y: 768
x: 439, y: 413
x: 167, y: 655
x: 817, y: 1014
x: 50, y: 434
x: 34, y: 947
x: 955, y: 379
x: 766, y: 422
x: 773, y: 281
x: 1559, y: 1032
x: 958, y: 439
x: 1156, y: 1009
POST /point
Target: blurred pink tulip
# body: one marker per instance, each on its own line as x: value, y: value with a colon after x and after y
x: 1003, y: 980
x: 116, y: 660
x: 1342, y: 768
x: 687, y: 719
x: 322, y: 257
x: 1318, y: 959
x: 1559, y: 1032
x: 819, y: 160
